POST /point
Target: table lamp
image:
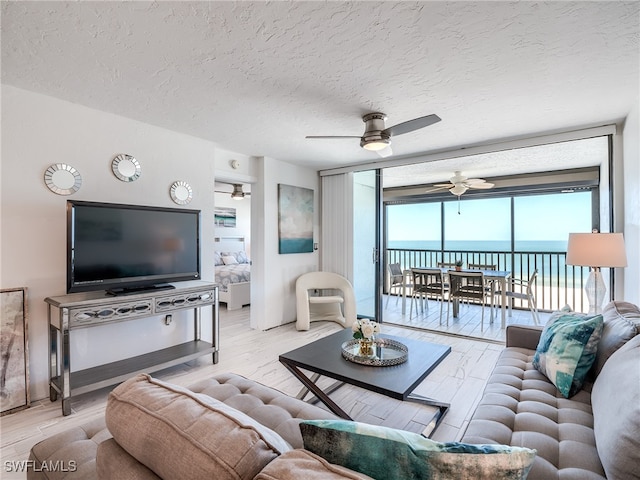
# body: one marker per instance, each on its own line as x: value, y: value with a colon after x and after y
x: 596, y: 250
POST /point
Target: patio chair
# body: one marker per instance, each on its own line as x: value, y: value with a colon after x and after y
x: 428, y: 282
x: 340, y: 307
x: 523, y: 290
x: 482, y: 266
x: 396, y: 280
x: 490, y: 284
x: 467, y: 286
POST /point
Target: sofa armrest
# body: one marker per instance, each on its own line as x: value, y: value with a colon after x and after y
x: 523, y: 336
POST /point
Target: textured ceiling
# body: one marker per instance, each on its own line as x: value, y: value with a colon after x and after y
x: 256, y: 77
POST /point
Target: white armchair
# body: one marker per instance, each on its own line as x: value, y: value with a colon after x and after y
x: 340, y: 308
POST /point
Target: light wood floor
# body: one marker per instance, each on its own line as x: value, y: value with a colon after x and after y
x: 459, y: 380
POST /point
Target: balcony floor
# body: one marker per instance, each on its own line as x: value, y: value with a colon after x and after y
x: 466, y: 325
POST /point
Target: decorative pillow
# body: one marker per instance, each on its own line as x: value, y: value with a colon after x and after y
x: 619, y: 328
x: 229, y: 260
x: 242, y: 257
x: 567, y: 349
x: 389, y: 454
x: 177, y: 433
x: 304, y: 465
x: 217, y: 259
x: 615, y: 400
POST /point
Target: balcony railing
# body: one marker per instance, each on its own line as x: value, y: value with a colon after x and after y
x: 557, y: 285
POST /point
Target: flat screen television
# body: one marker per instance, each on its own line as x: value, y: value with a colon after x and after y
x: 128, y: 248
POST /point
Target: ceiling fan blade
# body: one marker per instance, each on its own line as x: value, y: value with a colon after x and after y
x: 385, y: 152
x: 475, y: 180
x: 445, y: 185
x: 481, y: 186
x: 411, y: 125
x: 332, y: 136
x: 438, y: 188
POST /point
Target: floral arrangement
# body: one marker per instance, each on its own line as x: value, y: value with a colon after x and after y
x: 458, y: 263
x: 363, y: 328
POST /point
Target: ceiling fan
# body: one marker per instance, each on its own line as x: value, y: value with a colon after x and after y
x: 377, y: 137
x: 238, y: 193
x: 459, y: 184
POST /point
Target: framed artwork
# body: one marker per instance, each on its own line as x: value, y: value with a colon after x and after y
x: 14, y: 353
x: 295, y: 219
x: 224, y: 216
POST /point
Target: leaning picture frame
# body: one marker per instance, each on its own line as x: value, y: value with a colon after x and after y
x: 14, y: 350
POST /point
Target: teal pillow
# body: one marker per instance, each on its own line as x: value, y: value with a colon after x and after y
x: 567, y: 349
x: 388, y: 454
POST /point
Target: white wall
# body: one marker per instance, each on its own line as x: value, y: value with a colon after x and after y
x: 273, y: 275
x: 38, y: 131
x: 631, y: 145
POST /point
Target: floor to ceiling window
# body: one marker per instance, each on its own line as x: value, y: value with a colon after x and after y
x: 414, y: 225
x: 421, y: 223
x: 482, y: 224
x: 519, y: 232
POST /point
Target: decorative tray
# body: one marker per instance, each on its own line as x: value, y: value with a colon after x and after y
x: 386, y: 353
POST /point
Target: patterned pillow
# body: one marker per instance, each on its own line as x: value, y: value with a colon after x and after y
x: 217, y: 259
x: 229, y: 260
x: 567, y: 349
x: 242, y: 257
x: 369, y: 449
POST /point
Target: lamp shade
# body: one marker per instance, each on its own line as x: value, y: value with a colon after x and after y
x: 596, y: 250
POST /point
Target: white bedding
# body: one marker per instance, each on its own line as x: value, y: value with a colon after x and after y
x: 226, y: 274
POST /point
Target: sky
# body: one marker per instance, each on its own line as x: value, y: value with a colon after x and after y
x: 539, y: 217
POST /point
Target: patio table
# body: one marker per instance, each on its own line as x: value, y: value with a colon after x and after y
x: 500, y: 276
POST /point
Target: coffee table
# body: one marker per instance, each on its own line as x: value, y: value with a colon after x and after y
x: 323, y: 357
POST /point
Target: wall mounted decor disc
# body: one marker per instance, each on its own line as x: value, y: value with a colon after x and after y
x: 126, y: 167
x: 181, y: 192
x: 62, y: 179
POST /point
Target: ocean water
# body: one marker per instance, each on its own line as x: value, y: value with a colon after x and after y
x: 482, y: 245
x: 550, y: 264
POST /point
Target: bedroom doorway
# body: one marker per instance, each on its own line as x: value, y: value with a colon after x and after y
x: 232, y: 243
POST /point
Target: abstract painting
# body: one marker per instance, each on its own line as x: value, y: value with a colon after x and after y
x: 14, y: 366
x: 295, y: 219
x: 224, y: 216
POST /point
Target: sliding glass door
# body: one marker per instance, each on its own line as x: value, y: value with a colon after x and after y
x: 367, y: 255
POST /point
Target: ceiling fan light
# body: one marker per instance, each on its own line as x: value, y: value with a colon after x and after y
x: 237, y: 193
x: 458, y: 189
x: 375, y: 144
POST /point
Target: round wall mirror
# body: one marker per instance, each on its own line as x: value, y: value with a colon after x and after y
x: 181, y: 192
x: 62, y: 179
x: 126, y: 167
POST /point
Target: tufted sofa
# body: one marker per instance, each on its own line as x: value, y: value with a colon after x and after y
x: 185, y: 423
x: 592, y: 435
x: 215, y: 429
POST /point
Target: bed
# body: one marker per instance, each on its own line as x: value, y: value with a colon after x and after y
x: 232, y: 272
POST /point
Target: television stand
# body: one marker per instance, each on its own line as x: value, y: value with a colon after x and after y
x: 92, y: 309
x: 118, y: 292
